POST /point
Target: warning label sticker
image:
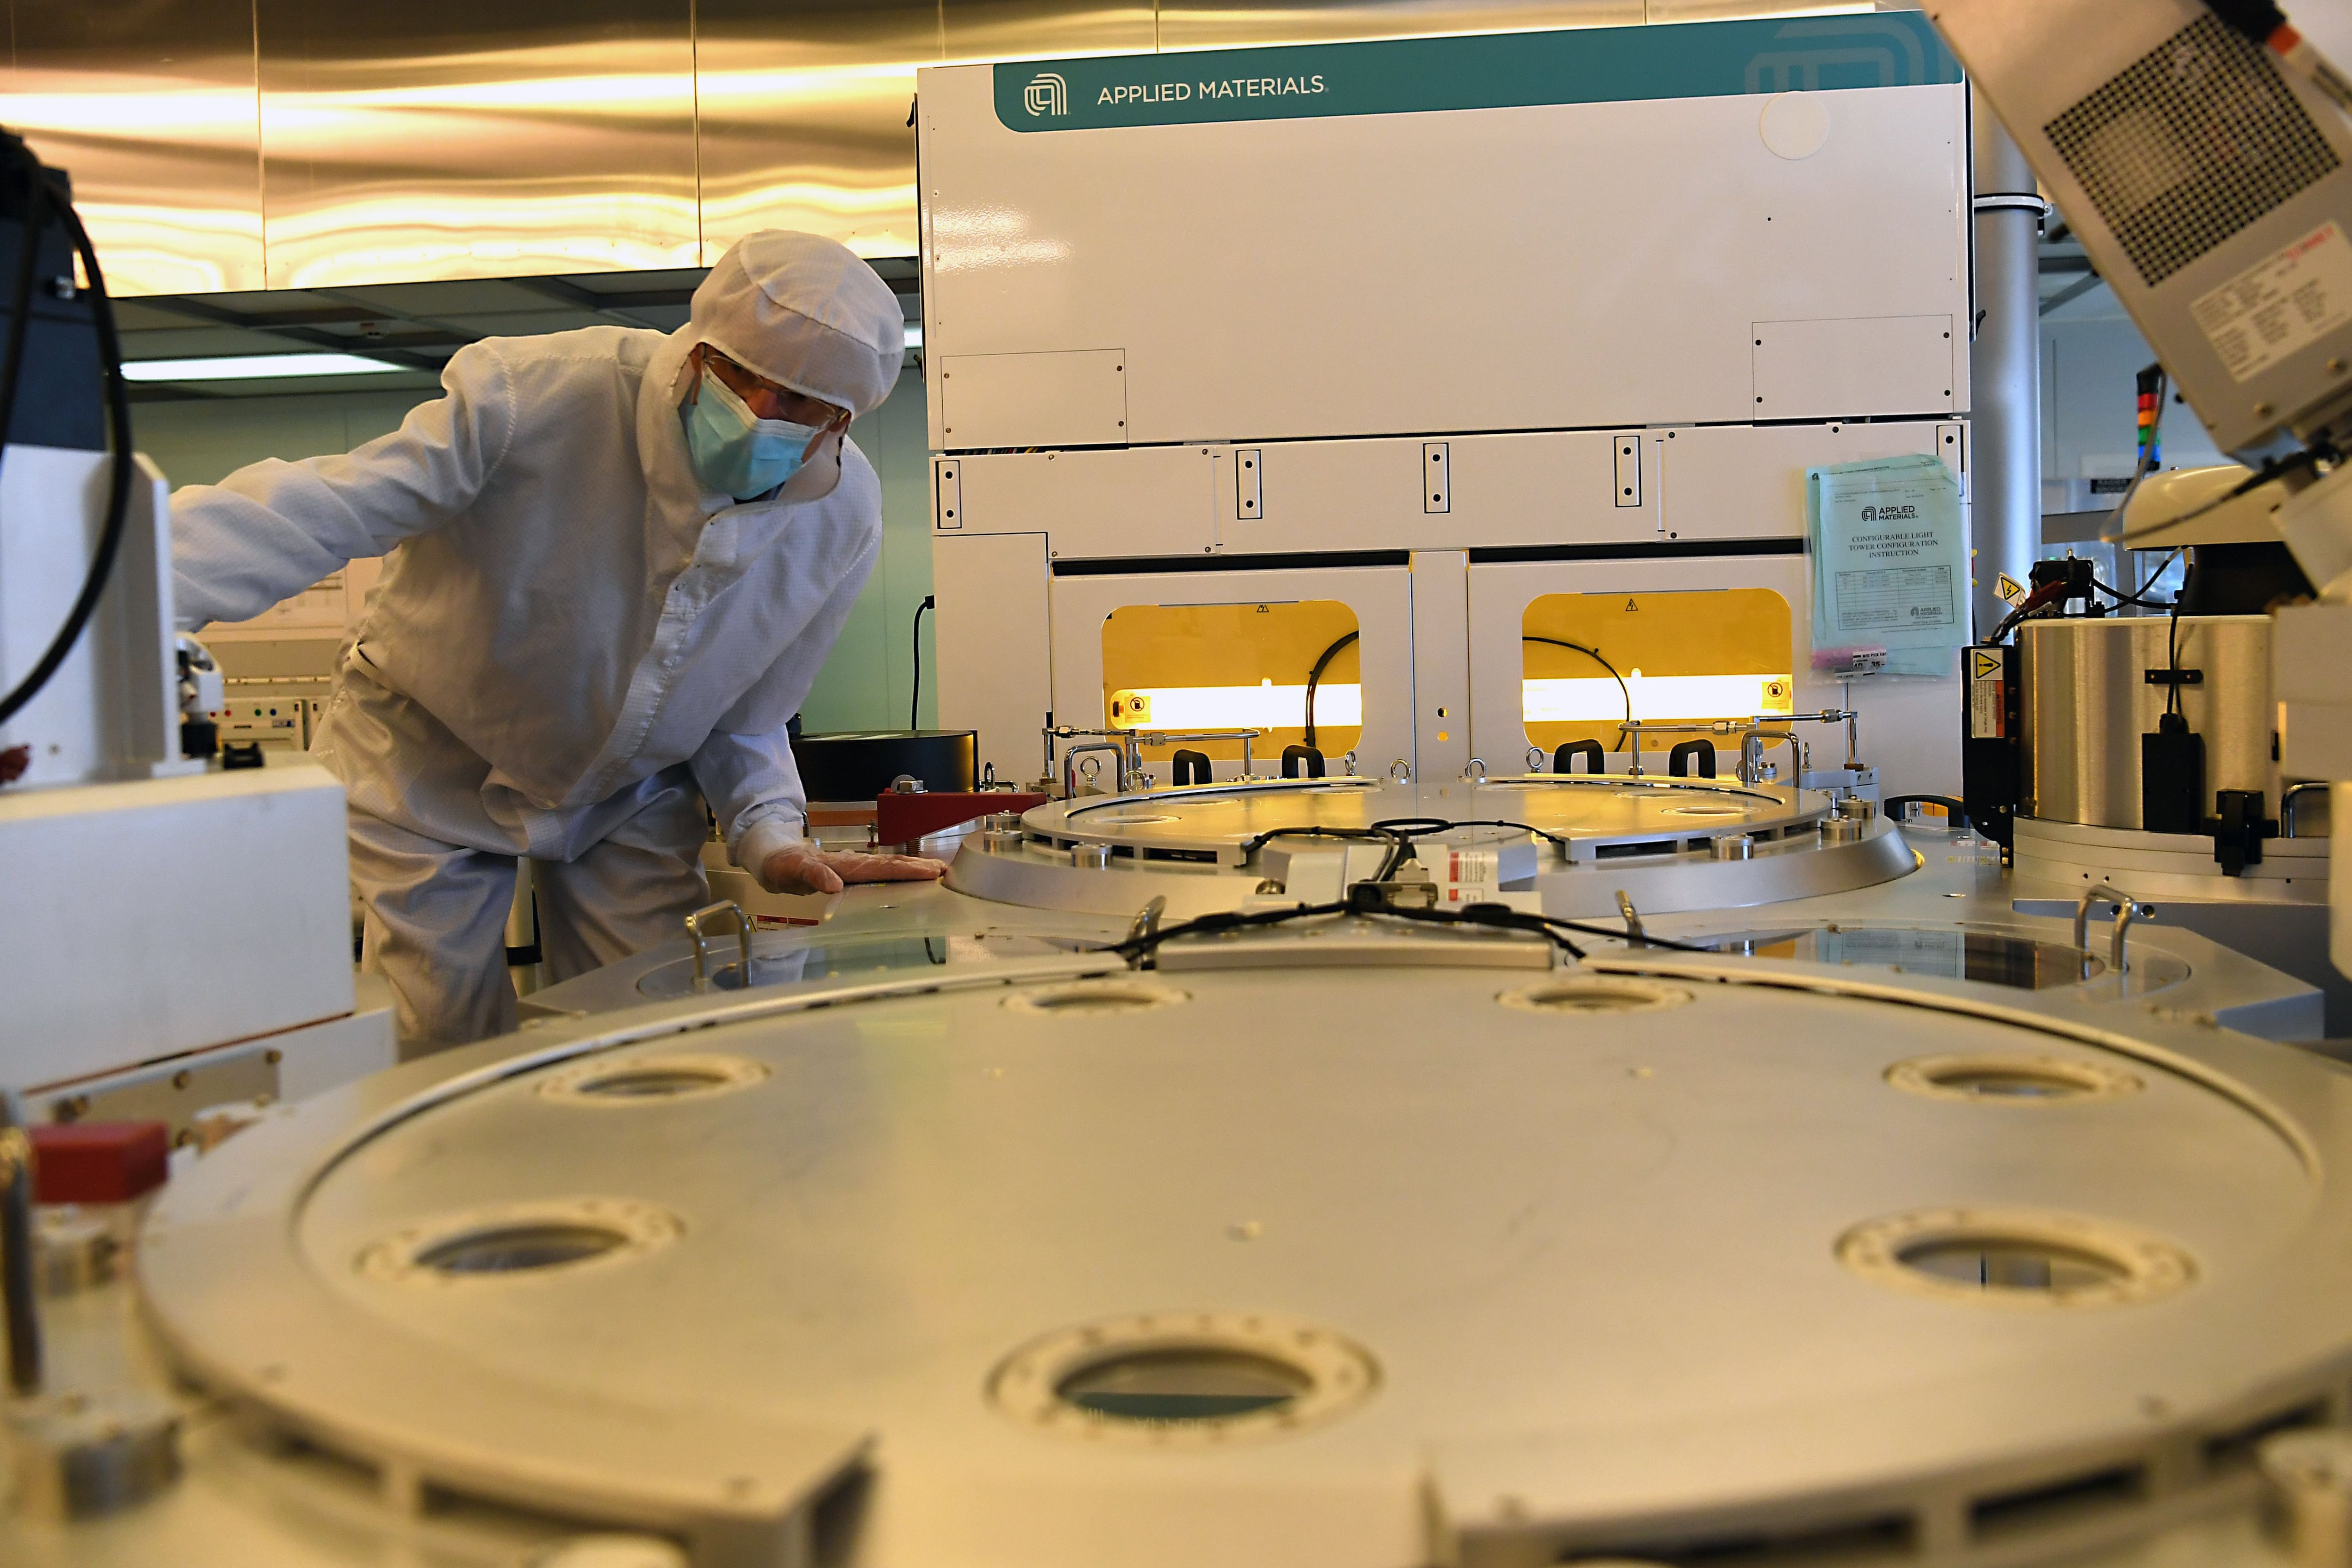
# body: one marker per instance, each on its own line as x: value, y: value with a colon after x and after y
x: 2279, y: 305
x: 1988, y: 703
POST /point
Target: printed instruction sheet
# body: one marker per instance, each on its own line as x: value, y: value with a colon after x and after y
x: 1890, y: 555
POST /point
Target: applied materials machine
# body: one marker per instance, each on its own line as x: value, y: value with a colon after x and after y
x: 1433, y: 405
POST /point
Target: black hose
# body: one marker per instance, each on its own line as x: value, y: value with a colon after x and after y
x: 914, y: 702
x: 1594, y: 655
x: 1315, y: 679
x: 118, y: 403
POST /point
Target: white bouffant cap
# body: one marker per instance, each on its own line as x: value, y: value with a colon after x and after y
x: 804, y: 312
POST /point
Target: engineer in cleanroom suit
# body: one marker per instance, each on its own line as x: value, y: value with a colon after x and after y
x: 617, y: 560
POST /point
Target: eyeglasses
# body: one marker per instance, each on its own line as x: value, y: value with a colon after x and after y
x: 765, y: 399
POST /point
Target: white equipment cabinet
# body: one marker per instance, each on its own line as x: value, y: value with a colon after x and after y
x: 170, y: 938
x: 1548, y: 305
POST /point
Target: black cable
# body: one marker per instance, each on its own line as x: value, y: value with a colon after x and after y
x: 1366, y: 899
x: 2134, y: 598
x: 2172, y: 662
x: 118, y: 500
x: 1315, y: 679
x: 914, y: 702
x: 1594, y: 655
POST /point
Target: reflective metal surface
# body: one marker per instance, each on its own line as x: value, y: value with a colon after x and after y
x: 1032, y: 1254
x: 448, y: 140
x: 1996, y: 958
x: 1576, y: 842
x: 152, y: 109
x: 803, y: 118
x: 437, y: 141
x: 2088, y: 700
x: 791, y: 960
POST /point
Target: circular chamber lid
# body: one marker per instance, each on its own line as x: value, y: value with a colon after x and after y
x: 1643, y: 1259
x: 1573, y: 839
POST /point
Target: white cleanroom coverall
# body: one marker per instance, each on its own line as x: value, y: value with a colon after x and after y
x: 572, y: 639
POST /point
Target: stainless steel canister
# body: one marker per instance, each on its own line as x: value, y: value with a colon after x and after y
x: 2088, y: 699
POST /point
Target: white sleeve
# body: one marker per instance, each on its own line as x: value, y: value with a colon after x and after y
x: 273, y: 528
x: 750, y: 779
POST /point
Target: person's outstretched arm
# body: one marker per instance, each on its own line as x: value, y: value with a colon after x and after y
x: 271, y: 530
x: 753, y: 785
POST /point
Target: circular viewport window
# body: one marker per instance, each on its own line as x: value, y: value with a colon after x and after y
x: 1182, y: 1379
x: 2017, y: 1257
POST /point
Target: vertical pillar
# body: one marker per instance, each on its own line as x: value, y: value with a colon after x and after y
x: 2005, y: 381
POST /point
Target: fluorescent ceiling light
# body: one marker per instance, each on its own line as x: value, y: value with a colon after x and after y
x: 914, y: 334
x: 253, y: 367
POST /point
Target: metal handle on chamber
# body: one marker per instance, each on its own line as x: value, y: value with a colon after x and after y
x: 2128, y: 908
x: 694, y: 924
x: 1070, y: 756
x: 2292, y: 798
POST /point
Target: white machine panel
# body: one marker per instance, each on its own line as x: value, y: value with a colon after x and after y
x: 131, y: 970
x: 1499, y: 264
x: 111, y: 711
x: 995, y: 645
x: 1532, y: 489
x: 1160, y: 501
x: 1813, y: 370
x: 1071, y: 399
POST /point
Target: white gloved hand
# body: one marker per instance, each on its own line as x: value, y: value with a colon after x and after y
x: 805, y: 868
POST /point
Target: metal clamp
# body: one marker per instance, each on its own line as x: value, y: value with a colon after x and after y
x: 694, y: 924
x: 2128, y: 908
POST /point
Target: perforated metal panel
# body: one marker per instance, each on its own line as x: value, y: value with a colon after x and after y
x: 2198, y: 140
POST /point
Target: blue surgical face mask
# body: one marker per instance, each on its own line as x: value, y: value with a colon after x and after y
x: 735, y: 453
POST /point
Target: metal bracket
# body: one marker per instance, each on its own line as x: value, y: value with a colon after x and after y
x: 2127, y: 910
x: 2175, y: 677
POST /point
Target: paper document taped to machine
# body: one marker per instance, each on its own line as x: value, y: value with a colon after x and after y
x: 1890, y: 560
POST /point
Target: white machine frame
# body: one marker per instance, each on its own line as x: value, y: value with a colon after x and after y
x: 1421, y: 354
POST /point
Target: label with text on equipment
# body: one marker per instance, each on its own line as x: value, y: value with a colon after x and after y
x: 1988, y: 699
x: 1471, y: 876
x: 2280, y: 304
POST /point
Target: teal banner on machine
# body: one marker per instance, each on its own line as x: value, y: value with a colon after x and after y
x: 1504, y: 70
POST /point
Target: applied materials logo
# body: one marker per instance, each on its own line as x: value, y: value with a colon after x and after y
x: 1047, y: 93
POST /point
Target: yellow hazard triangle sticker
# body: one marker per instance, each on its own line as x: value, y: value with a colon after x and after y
x: 1986, y: 665
x: 2011, y: 591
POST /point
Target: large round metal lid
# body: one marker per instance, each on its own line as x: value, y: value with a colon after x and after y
x: 1602, y: 809
x: 1576, y: 840
x: 1290, y: 1262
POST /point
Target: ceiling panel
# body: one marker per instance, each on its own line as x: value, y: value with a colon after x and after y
x: 1197, y: 23
x: 492, y: 138
x: 150, y: 109
x: 1015, y: 29
x: 803, y: 118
